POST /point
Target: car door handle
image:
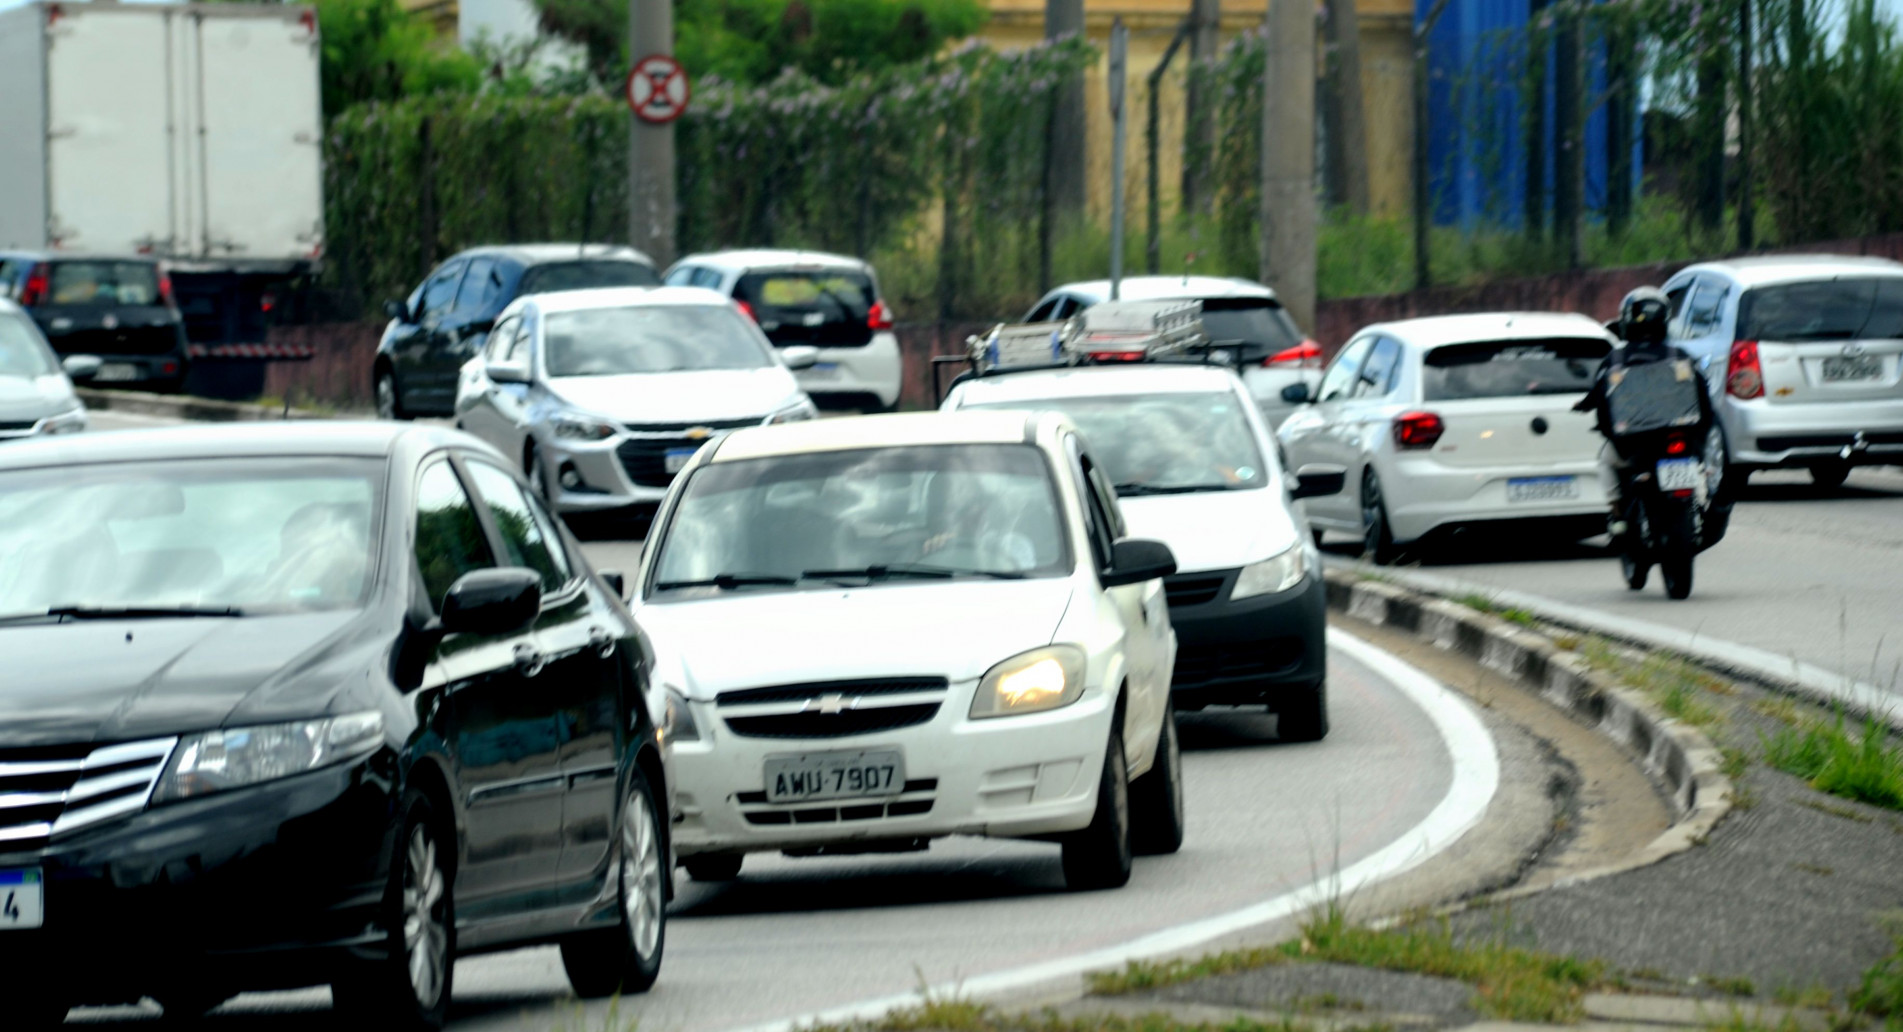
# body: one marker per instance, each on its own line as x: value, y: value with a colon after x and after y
x: 603, y: 642
x: 529, y: 660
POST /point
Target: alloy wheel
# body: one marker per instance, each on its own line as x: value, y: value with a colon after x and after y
x: 386, y: 396
x: 643, y: 891
x: 425, y: 913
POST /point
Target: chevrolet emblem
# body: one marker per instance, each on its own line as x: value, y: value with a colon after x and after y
x: 832, y: 704
x: 699, y: 433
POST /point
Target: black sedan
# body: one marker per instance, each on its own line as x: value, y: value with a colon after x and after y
x: 312, y: 703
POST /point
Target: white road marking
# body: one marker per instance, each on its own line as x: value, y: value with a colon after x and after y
x: 1476, y: 777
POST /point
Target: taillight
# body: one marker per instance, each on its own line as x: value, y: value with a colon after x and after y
x: 1675, y: 444
x: 878, y: 317
x: 35, y: 289
x: 165, y: 290
x: 1117, y: 356
x: 1306, y: 355
x: 1418, y: 429
x: 747, y: 310
x: 1744, y: 378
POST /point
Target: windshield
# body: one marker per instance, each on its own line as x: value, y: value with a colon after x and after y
x: 966, y: 510
x: 1165, y: 443
x: 650, y: 339
x: 1511, y: 368
x: 103, y: 283
x: 1259, y: 323
x: 21, y: 353
x: 1870, y: 308
x: 254, y: 535
x: 586, y: 275
x: 820, y: 307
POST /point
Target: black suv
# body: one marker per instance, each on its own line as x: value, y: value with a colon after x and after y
x: 445, y: 321
x: 118, y: 308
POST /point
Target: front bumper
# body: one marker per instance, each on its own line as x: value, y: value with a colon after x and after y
x: 1861, y: 433
x: 1257, y: 650
x: 273, y: 886
x: 1002, y: 777
x: 1423, y: 495
x: 874, y: 370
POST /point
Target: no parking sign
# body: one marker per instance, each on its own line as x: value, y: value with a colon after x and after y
x: 657, y: 89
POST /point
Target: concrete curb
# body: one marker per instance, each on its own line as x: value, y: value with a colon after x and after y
x: 1675, y: 756
x: 1813, y: 683
x: 189, y: 409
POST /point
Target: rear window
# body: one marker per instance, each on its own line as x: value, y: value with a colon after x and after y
x: 1511, y: 368
x: 1868, y: 308
x: 1262, y: 325
x: 822, y: 307
x: 102, y: 283
x: 586, y: 275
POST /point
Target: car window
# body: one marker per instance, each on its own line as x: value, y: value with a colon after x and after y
x: 588, y: 274
x: 650, y: 339
x: 1378, y: 369
x: 22, y: 353
x: 823, y: 307
x: 103, y: 283
x: 1042, y: 313
x: 439, y: 292
x: 1175, y: 441
x: 1511, y: 368
x: 1261, y: 324
x: 449, y: 538
x: 1096, y: 525
x: 681, y: 277
x: 527, y: 540
x: 1859, y: 308
x: 481, y: 286
x: 1340, y: 379
x: 1706, y: 309
x: 501, y: 338
x: 709, y: 278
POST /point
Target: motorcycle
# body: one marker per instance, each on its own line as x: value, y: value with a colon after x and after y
x: 1673, y: 468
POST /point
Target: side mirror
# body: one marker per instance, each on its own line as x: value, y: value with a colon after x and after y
x: 80, y: 367
x: 397, y: 310
x: 507, y: 372
x: 1135, y: 560
x: 799, y: 356
x: 1297, y: 393
x: 1316, y: 480
x: 494, y: 601
x: 616, y: 583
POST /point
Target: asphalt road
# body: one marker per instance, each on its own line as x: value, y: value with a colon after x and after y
x: 1803, y: 572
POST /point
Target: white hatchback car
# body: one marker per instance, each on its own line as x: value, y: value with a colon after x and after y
x: 879, y: 631
x: 828, y: 301
x: 1456, y: 421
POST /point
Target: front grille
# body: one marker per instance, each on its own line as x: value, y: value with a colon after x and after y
x: 16, y: 426
x: 832, y: 709
x: 48, y: 791
x: 821, y: 689
x: 816, y: 724
x: 1200, y: 665
x: 1192, y: 589
x: 675, y: 428
x: 836, y: 814
x: 645, y: 458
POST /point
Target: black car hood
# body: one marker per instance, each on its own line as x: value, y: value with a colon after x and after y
x: 119, y: 680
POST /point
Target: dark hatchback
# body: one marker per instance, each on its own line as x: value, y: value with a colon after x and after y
x: 445, y: 321
x: 118, y: 308
x: 318, y: 703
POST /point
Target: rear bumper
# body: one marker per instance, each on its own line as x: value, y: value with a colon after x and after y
x: 1760, y: 433
x: 875, y: 370
x: 1257, y: 650
x: 1423, y: 495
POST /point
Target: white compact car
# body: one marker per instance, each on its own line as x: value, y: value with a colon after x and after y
x: 1458, y: 421
x: 828, y: 301
x: 1195, y: 468
x: 879, y: 631
x: 603, y: 395
x: 1273, y: 352
x: 1804, y: 355
x: 36, y: 385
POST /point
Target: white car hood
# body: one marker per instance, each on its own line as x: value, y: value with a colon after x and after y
x: 1213, y: 530
x: 955, y: 630
x: 712, y: 395
x: 23, y: 399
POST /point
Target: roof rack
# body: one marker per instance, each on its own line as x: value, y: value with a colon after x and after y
x: 1105, y: 333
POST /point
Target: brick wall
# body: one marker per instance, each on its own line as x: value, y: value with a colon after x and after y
x: 338, y: 374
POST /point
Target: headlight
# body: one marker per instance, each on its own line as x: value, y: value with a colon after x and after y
x: 1031, y: 682
x: 679, y: 724
x: 1276, y: 573
x: 65, y: 423
x: 793, y: 413
x: 583, y: 428
x: 235, y: 757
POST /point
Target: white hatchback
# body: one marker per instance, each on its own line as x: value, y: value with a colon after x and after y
x: 880, y: 631
x: 1456, y: 421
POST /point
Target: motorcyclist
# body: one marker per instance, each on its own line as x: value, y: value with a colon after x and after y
x: 1643, y: 316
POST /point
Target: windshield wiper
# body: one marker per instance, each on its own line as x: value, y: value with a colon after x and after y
x: 729, y: 581
x: 924, y: 571
x: 71, y: 612
x: 1133, y: 488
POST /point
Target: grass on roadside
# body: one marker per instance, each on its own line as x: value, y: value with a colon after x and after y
x: 1484, y: 604
x: 959, y: 1015
x: 1865, y: 767
x: 1678, y: 686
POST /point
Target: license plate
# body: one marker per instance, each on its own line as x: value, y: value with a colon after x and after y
x: 1542, y: 489
x: 1861, y: 367
x: 834, y: 775
x: 676, y: 458
x: 22, y: 898
x: 118, y: 372
x: 1680, y: 474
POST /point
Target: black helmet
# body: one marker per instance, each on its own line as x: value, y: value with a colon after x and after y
x: 1643, y: 315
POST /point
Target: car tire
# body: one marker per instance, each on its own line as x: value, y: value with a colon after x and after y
x: 627, y: 958
x: 389, y: 402
x: 34, y: 1012
x: 409, y: 987
x: 1098, y: 856
x: 714, y: 867
x: 1377, y: 537
x: 1303, y: 717
x: 1676, y: 565
x: 1830, y: 476
x: 1156, y: 800
x: 535, y: 471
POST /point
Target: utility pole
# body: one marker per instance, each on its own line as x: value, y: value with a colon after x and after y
x: 650, y: 144
x: 1747, y: 215
x: 1288, y: 158
x: 1199, y: 108
x: 1346, y: 114
x: 1066, y: 188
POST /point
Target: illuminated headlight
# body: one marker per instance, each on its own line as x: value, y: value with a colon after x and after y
x: 1031, y: 682
x: 679, y: 725
x: 239, y: 756
x: 1276, y: 573
x: 793, y: 413
x: 65, y: 423
x: 583, y: 428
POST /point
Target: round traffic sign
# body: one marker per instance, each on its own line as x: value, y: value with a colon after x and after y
x: 657, y: 89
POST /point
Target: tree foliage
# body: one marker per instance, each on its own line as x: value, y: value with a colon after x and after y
x: 375, y: 50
